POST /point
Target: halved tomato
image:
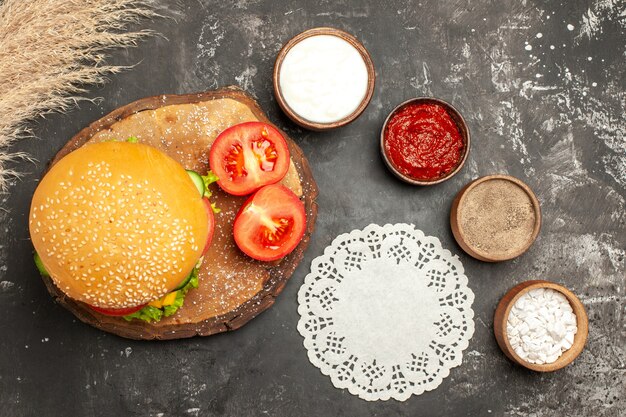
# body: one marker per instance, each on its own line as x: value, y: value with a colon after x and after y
x: 117, y: 311
x: 211, y: 217
x: 270, y: 224
x: 248, y: 156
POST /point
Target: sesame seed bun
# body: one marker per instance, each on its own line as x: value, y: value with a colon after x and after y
x: 118, y: 224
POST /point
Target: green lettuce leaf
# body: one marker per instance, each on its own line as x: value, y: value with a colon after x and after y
x: 40, y: 266
x: 193, y: 282
x: 178, y: 303
x: 131, y: 139
x: 208, y: 179
x: 150, y: 313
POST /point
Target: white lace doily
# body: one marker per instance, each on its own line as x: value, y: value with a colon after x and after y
x: 386, y: 312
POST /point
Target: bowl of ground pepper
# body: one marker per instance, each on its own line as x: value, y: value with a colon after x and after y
x: 424, y: 141
x: 495, y: 218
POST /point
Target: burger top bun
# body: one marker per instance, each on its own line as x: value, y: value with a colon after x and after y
x: 118, y: 224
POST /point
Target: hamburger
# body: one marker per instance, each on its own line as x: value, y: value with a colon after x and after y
x: 122, y: 227
x: 233, y: 284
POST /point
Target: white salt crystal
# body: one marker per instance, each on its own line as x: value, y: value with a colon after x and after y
x: 553, y: 358
x: 523, y: 328
x: 534, y: 323
x: 569, y: 318
x: 541, y: 325
x: 555, y: 350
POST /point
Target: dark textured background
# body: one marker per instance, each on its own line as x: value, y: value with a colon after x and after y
x: 553, y: 117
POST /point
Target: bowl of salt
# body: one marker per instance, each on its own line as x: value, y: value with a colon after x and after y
x: 541, y: 325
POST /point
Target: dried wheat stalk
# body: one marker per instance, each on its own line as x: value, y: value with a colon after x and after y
x: 49, y: 51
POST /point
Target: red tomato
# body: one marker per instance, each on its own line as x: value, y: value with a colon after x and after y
x: 117, y: 311
x: 209, y: 212
x: 270, y: 224
x: 248, y: 156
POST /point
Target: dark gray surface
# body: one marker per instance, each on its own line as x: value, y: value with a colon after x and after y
x: 558, y: 132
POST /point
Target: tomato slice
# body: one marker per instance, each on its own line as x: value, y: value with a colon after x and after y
x: 117, y: 312
x: 248, y: 156
x: 211, y: 217
x: 270, y: 224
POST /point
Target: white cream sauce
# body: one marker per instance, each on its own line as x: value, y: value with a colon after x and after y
x: 323, y: 78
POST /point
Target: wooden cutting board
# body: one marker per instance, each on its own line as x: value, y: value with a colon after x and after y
x: 233, y: 287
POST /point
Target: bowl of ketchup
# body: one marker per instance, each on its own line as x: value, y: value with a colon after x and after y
x: 424, y: 141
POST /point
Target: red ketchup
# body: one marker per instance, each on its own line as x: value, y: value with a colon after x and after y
x: 422, y: 141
